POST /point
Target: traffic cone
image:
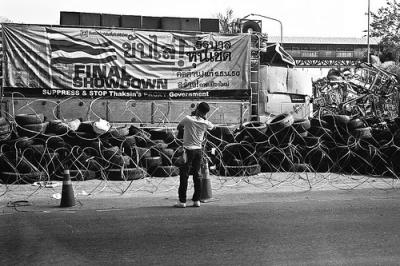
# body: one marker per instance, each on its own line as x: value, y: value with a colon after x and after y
x: 67, y: 194
x: 206, y: 191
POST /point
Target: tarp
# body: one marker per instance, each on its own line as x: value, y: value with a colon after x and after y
x: 94, y: 62
x: 274, y: 54
x: 287, y: 80
x: 299, y: 81
x: 274, y: 79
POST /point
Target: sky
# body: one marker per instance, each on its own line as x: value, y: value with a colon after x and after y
x: 307, y: 18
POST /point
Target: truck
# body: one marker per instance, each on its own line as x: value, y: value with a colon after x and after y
x: 148, y: 76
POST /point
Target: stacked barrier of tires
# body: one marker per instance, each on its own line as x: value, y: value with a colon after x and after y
x: 33, y: 149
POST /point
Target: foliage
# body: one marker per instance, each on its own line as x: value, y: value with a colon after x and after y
x: 386, y: 26
x: 225, y: 21
x: 4, y: 20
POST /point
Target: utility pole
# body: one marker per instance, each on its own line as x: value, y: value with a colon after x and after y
x: 368, y: 45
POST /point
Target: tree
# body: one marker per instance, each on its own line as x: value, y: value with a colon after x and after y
x: 5, y: 20
x: 226, y: 21
x: 386, y: 26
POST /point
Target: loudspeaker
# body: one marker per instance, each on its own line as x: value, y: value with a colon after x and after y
x: 170, y: 23
x: 251, y: 26
x: 190, y: 24
x: 209, y: 25
x: 151, y: 22
x: 90, y: 19
x: 69, y: 18
x: 128, y: 21
x: 110, y: 20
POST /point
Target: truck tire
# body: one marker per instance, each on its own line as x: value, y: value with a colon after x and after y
x: 355, y: 123
x: 57, y: 128
x: 26, y: 119
x: 279, y: 122
x: 31, y: 130
x: 362, y: 133
x: 301, y: 125
x: 252, y: 131
x: 152, y: 162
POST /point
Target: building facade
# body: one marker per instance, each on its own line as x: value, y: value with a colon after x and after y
x: 326, y: 52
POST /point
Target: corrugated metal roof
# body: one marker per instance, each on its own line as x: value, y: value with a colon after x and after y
x: 323, y: 40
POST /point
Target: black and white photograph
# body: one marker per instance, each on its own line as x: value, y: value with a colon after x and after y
x: 200, y: 133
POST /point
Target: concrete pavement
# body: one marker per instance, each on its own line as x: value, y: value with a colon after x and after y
x: 150, y: 191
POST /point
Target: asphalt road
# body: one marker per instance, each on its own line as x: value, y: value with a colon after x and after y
x: 360, y: 227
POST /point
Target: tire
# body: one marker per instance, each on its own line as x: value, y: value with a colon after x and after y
x: 152, y: 162
x: 126, y: 174
x: 281, y: 137
x: 220, y: 135
x: 86, y: 127
x: 24, y: 142
x: 319, y: 131
x: 252, y: 131
x: 334, y: 121
x: 319, y: 159
x: 315, y: 122
x: 35, y: 151
x: 281, y: 121
x: 121, y: 131
x: 129, y: 146
x: 27, y: 119
x: 143, y: 153
x: 362, y: 133
x: 12, y: 162
x: 301, y: 125
x: 55, y: 142
x: 161, y: 134
x: 31, y: 130
x: 238, y: 151
x: 355, y: 123
x: 165, y: 171
x: 57, y: 128
x: 166, y: 156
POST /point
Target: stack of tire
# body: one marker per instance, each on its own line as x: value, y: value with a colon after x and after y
x: 251, y: 132
x: 21, y: 152
x: 220, y: 136
x: 280, y: 131
x: 238, y: 159
x: 163, y: 151
x: 278, y: 153
x: 15, y: 166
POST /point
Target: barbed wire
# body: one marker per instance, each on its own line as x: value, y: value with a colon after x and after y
x: 328, y: 150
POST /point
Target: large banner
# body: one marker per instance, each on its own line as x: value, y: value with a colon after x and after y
x: 56, y: 61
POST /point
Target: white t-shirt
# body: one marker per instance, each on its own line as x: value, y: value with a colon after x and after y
x: 194, y: 130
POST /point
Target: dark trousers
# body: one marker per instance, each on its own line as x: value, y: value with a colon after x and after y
x: 193, y: 164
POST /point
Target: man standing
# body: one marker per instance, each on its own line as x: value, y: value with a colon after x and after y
x: 194, y: 127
